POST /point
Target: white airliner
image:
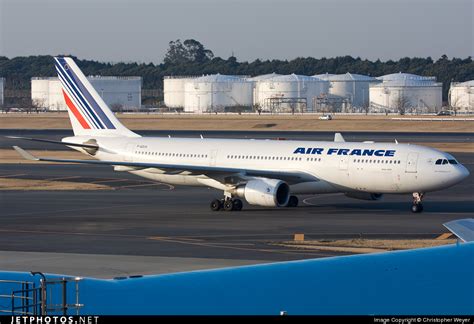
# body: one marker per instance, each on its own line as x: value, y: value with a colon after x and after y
x: 263, y: 172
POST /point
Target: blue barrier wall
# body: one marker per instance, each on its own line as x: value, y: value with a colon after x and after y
x: 426, y: 281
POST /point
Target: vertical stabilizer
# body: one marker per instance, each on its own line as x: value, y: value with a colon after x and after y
x: 88, y: 112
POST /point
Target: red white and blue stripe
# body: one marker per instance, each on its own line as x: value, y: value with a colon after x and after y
x: 79, y: 100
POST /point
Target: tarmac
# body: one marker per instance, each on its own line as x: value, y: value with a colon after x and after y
x: 140, y: 227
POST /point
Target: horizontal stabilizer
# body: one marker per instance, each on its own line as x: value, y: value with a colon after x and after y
x: 92, y: 146
x: 26, y: 155
x: 462, y: 228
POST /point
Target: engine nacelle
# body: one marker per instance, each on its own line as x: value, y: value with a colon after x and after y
x: 364, y: 195
x: 265, y: 192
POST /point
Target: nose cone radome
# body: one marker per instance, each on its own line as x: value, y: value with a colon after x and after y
x: 463, y: 172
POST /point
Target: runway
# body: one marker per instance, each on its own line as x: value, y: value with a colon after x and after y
x: 173, y: 229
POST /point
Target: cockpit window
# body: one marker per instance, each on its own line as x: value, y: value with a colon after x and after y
x: 444, y: 161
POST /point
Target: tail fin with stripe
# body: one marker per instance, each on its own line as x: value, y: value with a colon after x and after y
x: 88, y: 112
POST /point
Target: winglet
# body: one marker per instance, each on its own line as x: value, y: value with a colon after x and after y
x: 25, y: 154
x: 462, y: 228
x: 338, y: 138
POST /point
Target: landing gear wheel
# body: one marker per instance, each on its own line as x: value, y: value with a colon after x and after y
x: 417, y: 208
x: 237, y: 205
x: 216, y: 205
x: 228, y: 205
x: 293, y: 201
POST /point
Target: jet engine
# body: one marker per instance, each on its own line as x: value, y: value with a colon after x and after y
x: 364, y: 195
x: 265, y: 192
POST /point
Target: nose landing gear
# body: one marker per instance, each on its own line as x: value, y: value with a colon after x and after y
x: 417, y: 206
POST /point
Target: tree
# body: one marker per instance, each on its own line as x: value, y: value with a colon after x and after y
x: 402, y: 103
x: 196, y: 52
x: 454, y: 105
x: 366, y: 108
x: 116, y: 107
x: 191, y: 51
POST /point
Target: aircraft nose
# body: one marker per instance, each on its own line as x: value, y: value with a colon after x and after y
x: 463, y: 172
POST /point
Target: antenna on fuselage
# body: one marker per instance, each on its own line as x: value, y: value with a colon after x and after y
x: 202, y: 137
x: 338, y: 138
x: 396, y: 142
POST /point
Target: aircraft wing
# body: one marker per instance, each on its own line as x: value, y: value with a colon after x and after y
x: 212, y: 171
x: 462, y: 228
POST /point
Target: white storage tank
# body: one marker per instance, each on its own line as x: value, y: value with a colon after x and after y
x: 55, y: 96
x: 324, y: 76
x: 216, y: 93
x: 256, y: 84
x: 2, y: 90
x: 40, y: 91
x: 404, y: 93
x: 351, y: 89
x: 173, y: 90
x: 290, y: 93
x: 117, y: 92
x: 461, y: 96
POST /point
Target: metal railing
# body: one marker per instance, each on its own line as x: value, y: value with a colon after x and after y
x: 23, y: 298
x: 49, y: 298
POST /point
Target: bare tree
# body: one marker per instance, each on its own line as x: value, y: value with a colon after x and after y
x: 455, y: 105
x: 26, y: 104
x: 366, y: 108
x: 402, y: 103
x: 257, y: 108
x: 38, y: 104
x: 116, y: 107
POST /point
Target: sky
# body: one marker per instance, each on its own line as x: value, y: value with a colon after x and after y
x: 140, y: 30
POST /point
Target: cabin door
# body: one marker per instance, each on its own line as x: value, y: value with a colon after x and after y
x: 412, y: 162
x: 129, y: 152
x: 213, y: 156
x: 343, y: 162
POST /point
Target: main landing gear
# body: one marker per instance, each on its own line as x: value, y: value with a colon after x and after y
x: 234, y: 204
x: 227, y: 204
x: 417, y: 206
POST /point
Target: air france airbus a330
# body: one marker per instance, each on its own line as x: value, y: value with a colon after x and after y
x: 263, y: 172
